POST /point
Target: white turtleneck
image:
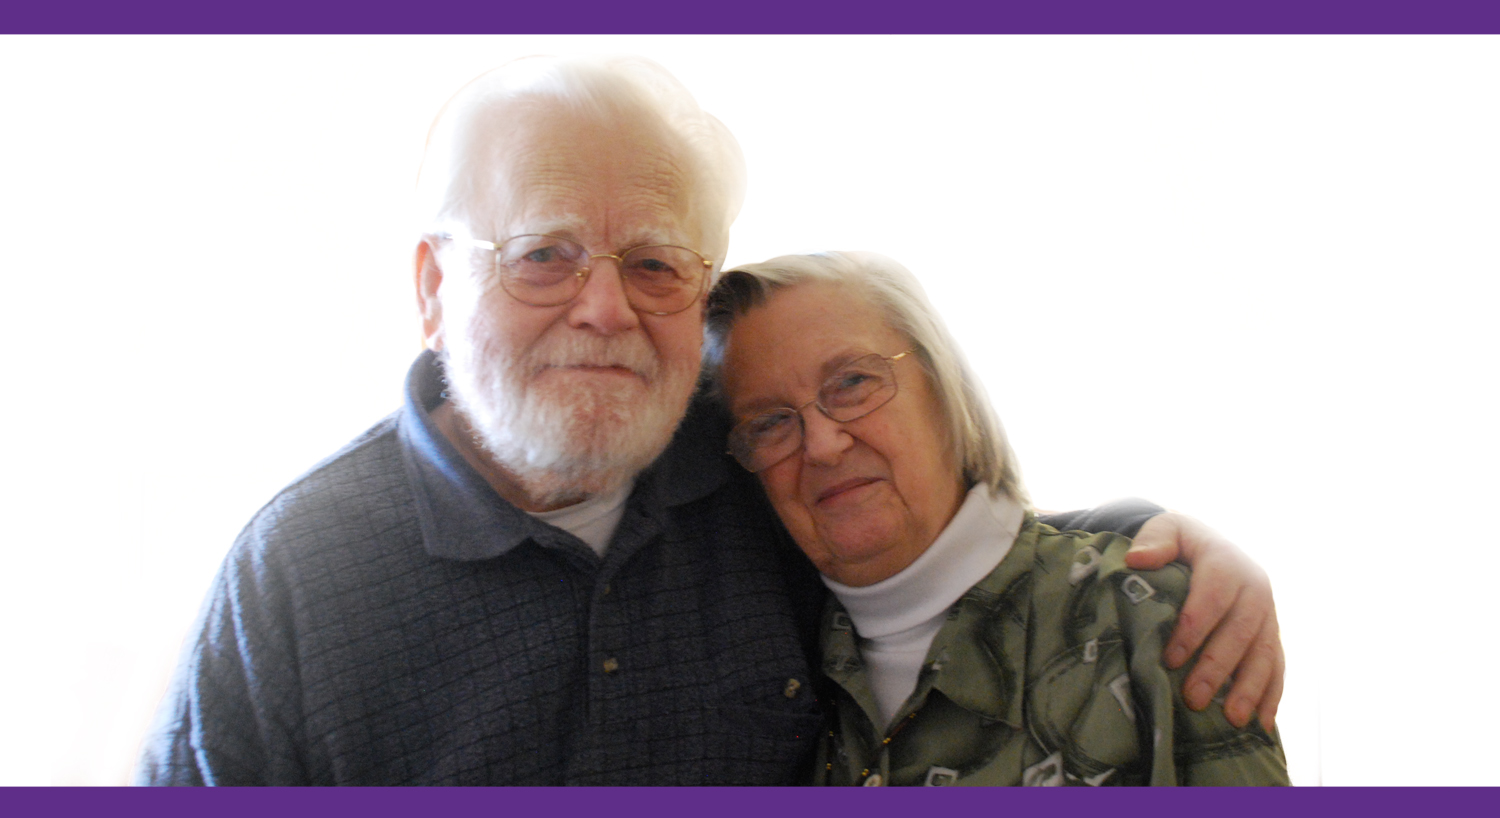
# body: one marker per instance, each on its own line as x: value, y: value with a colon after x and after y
x: 897, y: 617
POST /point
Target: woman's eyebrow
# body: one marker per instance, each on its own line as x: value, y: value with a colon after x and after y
x: 839, y: 361
x: 749, y: 409
x: 744, y: 410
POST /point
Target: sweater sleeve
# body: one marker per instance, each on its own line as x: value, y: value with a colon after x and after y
x: 232, y: 714
x: 1121, y: 517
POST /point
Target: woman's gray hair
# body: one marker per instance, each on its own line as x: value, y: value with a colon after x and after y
x: 978, y: 438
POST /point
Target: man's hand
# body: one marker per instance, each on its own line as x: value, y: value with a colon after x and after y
x: 1229, y: 596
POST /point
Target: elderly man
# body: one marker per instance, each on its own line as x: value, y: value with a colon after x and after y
x: 542, y: 569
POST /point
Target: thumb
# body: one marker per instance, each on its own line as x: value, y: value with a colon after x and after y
x: 1155, y: 544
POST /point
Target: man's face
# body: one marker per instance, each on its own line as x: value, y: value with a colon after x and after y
x: 575, y: 399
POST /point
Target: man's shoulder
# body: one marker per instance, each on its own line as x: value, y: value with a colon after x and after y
x: 1124, y: 516
x: 1073, y: 562
x: 353, y: 495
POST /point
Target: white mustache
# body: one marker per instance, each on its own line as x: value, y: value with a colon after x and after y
x: 630, y: 351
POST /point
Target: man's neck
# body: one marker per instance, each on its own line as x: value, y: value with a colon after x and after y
x: 455, y: 427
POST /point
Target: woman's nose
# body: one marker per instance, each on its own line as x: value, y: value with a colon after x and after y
x: 824, y: 440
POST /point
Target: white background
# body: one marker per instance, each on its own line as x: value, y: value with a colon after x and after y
x: 1250, y: 278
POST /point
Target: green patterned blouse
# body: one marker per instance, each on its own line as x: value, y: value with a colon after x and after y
x: 1048, y: 672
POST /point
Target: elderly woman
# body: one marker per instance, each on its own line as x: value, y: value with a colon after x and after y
x: 966, y: 642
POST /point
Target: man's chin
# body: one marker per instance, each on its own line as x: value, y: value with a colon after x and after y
x: 597, y: 440
x: 576, y: 430
x: 596, y: 460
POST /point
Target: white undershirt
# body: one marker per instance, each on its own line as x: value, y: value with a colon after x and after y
x: 594, y: 520
x: 897, y: 618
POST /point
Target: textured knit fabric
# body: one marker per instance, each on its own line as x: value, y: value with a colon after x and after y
x: 389, y: 619
x: 1048, y: 672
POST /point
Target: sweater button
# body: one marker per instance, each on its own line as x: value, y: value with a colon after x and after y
x: 611, y: 665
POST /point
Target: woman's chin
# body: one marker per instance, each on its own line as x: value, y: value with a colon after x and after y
x: 863, y: 557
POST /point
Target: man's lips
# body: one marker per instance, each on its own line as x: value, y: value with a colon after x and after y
x: 843, y: 487
x: 596, y: 369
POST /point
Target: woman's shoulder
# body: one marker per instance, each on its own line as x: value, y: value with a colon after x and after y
x: 1078, y: 562
x: 1099, y: 626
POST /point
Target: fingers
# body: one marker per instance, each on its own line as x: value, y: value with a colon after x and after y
x: 1246, y: 644
x: 1272, y: 698
x: 1155, y: 544
x: 1217, y: 588
x: 1252, y: 680
x: 1229, y: 614
x: 1222, y: 655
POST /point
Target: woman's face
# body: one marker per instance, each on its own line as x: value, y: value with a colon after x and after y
x: 862, y: 498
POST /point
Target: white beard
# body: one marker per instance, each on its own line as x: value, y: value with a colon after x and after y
x: 566, y: 436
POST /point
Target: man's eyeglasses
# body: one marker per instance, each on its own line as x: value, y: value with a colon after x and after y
x: 855, y: 390
x: 545, y: 271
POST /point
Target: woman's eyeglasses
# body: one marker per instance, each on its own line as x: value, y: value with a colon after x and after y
x: 855, y: 390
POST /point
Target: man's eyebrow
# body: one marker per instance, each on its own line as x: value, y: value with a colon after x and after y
x: 566, y: 226
x: 572, y: 227
x: 648, y: 237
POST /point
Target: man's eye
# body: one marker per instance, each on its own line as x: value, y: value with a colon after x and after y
x: 542, y: 255
x: 654, y: 271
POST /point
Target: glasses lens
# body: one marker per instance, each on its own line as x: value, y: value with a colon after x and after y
x: 540, y: 270
x: 766, y: 439
x: 858, y: 388
x: 662, y: 278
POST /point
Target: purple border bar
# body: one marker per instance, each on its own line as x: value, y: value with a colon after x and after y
x: 751, y: 17
x: 745, y: 803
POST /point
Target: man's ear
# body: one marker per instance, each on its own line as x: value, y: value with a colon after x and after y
x: 429, y: 278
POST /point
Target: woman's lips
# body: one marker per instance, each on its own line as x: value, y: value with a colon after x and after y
x: 842, y: 489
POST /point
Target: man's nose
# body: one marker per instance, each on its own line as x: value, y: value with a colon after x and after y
x: 824, y: 440
x: 601, y: 305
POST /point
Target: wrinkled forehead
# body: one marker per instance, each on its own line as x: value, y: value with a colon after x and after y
x: 522, y: 165
x: 798, y: 336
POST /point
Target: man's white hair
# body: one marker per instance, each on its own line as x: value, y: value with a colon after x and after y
x: 611, y: 91
x: 978, y: 439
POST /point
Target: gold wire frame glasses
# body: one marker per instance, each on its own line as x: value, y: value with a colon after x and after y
x: 855, y: 390
x: 547, y: 271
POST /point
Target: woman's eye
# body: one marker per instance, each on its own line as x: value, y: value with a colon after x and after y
x: 850, y: 388
x: 765, y: 424
x: 850, y: 380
